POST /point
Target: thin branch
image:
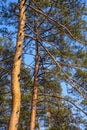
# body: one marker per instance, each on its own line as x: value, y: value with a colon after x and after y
x: 66, y: 99
x: 30, y: 28
x: 58, y: 24
x: 26, y: 35
x: 59, y: 66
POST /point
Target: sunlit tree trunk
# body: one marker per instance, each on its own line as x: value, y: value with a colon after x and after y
x: 16, y: 94
x: 49, y: 116
x: 35, y: 89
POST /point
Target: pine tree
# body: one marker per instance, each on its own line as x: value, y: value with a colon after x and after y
x: 62, y: 61
x: 60, y: 27
x: 16, y: 94
x: 35, y: 89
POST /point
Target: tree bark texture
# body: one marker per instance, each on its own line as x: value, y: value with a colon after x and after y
x: 16, y: 93
x: 35, y: 89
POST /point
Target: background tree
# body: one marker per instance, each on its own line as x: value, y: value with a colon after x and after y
x: 6, y: 60
x: 61, y: 43
x: 16, y: 94
x: 61, y: 29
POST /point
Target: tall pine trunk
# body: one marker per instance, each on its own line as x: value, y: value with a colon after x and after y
x: 35, y: 89
x: 16, y: 93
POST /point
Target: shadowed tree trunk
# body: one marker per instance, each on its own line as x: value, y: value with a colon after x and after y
x: 38, y: 126
x: 16, y: 94
x: 35, y: 89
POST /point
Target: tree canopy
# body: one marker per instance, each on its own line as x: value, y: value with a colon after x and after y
x: 43, y: 64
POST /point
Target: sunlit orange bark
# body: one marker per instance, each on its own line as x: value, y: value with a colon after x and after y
x: 35, y: 89
x: 16, y: 94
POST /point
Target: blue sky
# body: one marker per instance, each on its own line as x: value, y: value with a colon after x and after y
x: 29, y: 59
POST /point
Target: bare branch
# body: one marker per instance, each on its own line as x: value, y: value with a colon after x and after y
x: 59, y: 66
x: 26, y: 35
x: 66, y: 99
x: 58, y: 24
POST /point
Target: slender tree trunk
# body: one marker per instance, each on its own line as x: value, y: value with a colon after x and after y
x: 38, y: 126
x: 49, y: 116
x: 35, y: 89
x: 16, y: 94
